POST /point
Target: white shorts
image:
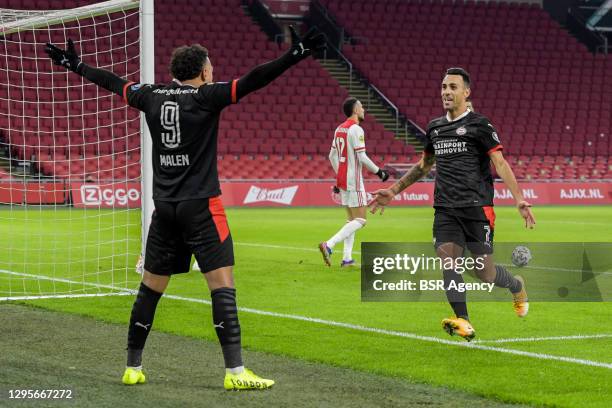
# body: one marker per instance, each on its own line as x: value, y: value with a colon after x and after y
x: 353, y: 199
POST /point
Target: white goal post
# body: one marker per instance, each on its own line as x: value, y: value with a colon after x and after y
x: 75, y: 168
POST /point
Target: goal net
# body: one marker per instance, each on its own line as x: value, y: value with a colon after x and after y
x: 70, y: 155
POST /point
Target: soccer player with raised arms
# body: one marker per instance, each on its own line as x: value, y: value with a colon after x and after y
x: 463, y: 143
x: 189, y: 218
x: 347, y: 157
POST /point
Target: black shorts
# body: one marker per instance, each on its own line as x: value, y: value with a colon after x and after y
x: 179, y: 229
x: 471, y: 226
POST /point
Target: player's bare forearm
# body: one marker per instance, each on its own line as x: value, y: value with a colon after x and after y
x: 507, y: 175
x: 420, y: 170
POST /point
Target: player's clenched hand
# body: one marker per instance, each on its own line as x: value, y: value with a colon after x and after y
x: 380, y: 200
x: 383, y: 174
x: 67, y: 58
x: 303, y: 47
x: 524, y: 209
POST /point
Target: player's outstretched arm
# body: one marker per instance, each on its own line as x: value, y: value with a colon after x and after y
x: 507, y: 175
x: 262, y: 75
x: 384, y: 196
x: 70, y: 59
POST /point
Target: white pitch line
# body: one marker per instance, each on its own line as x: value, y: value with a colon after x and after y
x: 549, y: 268
x: 413, y: 336
x: 430, y: 219
x: 430, y: 339
x: 358, y: 252
x: 62, y: 280
x: 407, y: 219
x: 313, y: 249
x: 83, y: 295
x: 533, y: 339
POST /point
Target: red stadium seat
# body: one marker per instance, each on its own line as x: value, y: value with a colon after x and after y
x: 513, y: 74
x: 295, y: 116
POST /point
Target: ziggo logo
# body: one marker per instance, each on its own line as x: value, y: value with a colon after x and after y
x: 95, y: 195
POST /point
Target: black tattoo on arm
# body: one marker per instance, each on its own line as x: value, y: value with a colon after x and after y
x: 416, y: 173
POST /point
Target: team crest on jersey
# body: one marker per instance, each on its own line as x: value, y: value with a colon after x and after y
x: 461, y: 131
x: 495, y: 137
x: 135, y: 87
x: 361, y: 138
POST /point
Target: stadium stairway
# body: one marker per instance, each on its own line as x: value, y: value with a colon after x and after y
x: 524, y: 65
x: 284, y: 131
x: 289, y: 123
x: 356, y: 86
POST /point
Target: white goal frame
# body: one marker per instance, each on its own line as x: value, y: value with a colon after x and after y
x: 147, y: 75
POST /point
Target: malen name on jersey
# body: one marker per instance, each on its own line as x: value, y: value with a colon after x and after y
x: 450, y: 146
x: 174, y: 160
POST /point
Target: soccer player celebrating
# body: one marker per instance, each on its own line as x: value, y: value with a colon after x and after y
x: 189, y: 218
x: 347, y: 157
x: 462, y: 144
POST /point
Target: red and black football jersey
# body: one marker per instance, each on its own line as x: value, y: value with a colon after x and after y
x: 463, y: 171
x: 184, y: 122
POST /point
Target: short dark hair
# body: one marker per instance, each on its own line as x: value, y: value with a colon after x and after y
x: 349, y: 105
x: 187, y: 61
x: 460, y: 71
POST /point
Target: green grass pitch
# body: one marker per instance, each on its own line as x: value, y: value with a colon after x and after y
x: 296, y: 309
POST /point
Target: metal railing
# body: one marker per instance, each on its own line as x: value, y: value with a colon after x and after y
x: 329, y: 20
x: 331, y: 26
x: 370, y: 87
x: 373, y: 90
x: 605, y: 46
x: 343, y: 58
x: 391, y: 104
x: 580, y: 21
x: 265, y: 19
x: 279, y: 38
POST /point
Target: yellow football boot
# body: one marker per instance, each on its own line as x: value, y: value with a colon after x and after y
x: 460, y: 327
x: 133, y: 376
x: 520, y: 302
x: 246, y: 380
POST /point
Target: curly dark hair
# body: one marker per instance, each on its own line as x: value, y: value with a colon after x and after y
x: 187, y: 61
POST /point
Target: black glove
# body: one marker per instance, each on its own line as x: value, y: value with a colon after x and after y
x: 336, y: 190
x: 301, y: 48
x: 383, y: 174
x: 67, y: 58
